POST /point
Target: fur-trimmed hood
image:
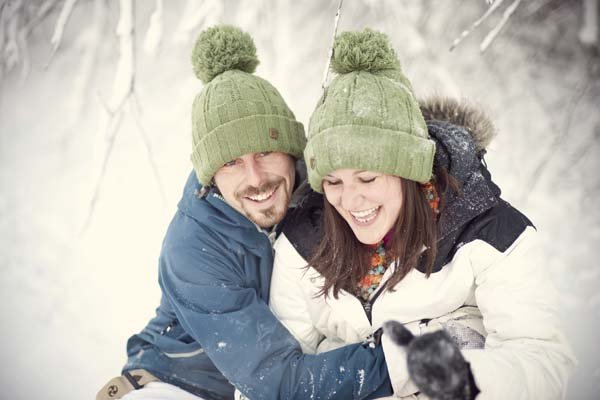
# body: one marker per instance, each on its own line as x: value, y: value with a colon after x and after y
x: 461, y: 133
x: 463, y: 114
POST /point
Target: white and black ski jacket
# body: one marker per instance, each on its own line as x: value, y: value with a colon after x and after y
x: 487, y: 285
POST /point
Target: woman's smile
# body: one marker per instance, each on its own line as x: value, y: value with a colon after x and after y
x: 365, y: 217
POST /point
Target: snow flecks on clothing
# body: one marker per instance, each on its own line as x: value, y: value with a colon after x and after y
x: 361, y: 379
x: 456, y: 152
x: 361, y: 110
x: 312, y: 384
x: 221, y: 345
x: 420, y: 132
x: 342, y: 369
x: 401, y: 85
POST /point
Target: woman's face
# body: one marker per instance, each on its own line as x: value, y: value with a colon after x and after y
x: 370, y: 202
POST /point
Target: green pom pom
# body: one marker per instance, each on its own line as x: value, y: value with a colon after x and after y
x: 363, y: 51
x: 223, y: 48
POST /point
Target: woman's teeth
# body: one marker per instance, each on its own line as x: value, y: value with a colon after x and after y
x: 365, y: 215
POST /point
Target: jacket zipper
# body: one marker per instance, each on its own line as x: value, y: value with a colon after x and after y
x: 368, y: 304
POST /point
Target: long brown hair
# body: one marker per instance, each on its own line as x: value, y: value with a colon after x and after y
x: 344, y: 261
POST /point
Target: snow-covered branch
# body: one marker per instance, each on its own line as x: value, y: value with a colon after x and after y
x: 125, y: 76
x: 155, y: 30
x: 87, y: 44
x: 196, y: 14
x: 59, y: 29
x: 112, y: 128
x: 588, y: 34
x: 559, y: 138
x: 494, y: 32
x: 135, y: 110
x: 330, y: 55
x: 123, y: 90
x: 467, y: 32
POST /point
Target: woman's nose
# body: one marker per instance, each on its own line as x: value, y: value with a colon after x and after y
x: 350, y: 198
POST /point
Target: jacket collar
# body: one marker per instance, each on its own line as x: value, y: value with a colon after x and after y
x: 213, y: 211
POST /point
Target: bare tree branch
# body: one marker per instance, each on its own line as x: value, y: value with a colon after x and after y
x: 2, y: 7
x: 104, y: 103
x: 195, y: 14
x: 125, y: 77
x: 89, y: 40
x: 112, y: 128
x: 25, y: 59
x: 330, y: 55
x: 579, y: 93
x: 12, y: 55
x: 42, y: 13
x: 59, y: 29
x: 123, y: 89
x: 466, y: 32
x: 494, y: 32
x: 135, y: 110
x: 584, y: 148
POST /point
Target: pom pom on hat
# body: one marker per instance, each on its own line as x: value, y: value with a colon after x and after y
x: 369, y: 104
x: 223, y: 48
x: 368, y: 50
x: 236, y: 112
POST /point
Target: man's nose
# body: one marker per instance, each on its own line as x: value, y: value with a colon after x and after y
x: 254, y: 173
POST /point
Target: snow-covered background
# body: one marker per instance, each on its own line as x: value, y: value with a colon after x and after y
x: 78, y: 280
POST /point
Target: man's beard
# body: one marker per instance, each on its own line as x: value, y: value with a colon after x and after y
x: 268, y: 217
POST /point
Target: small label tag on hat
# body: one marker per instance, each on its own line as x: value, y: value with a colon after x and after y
x: 273, y: 133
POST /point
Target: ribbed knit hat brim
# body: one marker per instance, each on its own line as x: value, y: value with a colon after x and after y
x: 236, y: 113
x: 252, y: 134
x: 368, y: 148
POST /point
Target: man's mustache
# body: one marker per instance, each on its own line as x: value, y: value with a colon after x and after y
x: 267, y: 186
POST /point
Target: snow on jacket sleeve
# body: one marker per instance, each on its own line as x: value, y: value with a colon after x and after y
x: 525, y: 354
x: 236, y: 329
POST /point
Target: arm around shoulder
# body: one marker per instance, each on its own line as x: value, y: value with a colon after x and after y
x: 225, y: 314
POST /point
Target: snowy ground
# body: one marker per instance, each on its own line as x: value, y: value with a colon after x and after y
x: 70, y: 298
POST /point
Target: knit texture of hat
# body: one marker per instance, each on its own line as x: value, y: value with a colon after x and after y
x: 236, y: 113
x: 368, y: 117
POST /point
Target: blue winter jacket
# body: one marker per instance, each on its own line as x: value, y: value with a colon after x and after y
x: 214, y: 272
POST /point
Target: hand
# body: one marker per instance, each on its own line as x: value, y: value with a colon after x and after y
x: 435, y: 363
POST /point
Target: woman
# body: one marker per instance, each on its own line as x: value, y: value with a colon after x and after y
x: 413, y: 230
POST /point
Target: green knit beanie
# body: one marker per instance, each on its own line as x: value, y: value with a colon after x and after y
x: 368, y: 117
x: 236, y: 113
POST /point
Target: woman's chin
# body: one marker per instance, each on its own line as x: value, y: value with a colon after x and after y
x: 368, y: 238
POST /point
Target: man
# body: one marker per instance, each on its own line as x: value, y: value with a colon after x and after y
x: 213, y: 328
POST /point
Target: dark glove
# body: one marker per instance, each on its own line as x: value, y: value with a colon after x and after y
x: 435, y: 363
